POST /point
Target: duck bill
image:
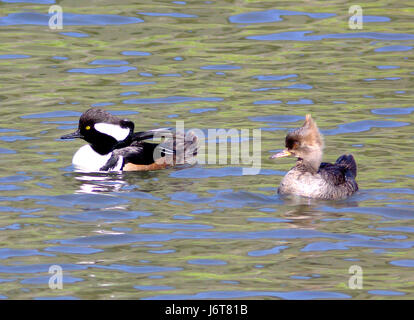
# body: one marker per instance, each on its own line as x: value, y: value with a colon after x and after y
x: 73, y: 135
x: 281, y: 154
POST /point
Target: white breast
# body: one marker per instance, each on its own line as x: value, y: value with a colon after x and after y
x: 87, y: 159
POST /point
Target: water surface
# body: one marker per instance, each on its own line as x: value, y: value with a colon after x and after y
x: 206, y: 232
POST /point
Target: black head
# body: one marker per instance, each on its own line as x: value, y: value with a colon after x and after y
x: 102, y: 130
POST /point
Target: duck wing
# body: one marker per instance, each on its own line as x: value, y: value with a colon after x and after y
x: 182, y: 147
x: 139, y: 153
x: 342, y: 171
x: 348, y: 162
x: 144, y: 135
x: 332, y: 173
x: 179, y: 148
x: 137, y: 137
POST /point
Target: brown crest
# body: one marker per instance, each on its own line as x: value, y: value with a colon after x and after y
x: 312, y: 136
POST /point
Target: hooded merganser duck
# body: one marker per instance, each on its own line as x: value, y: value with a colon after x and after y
x: 113, y: 145
x: 310, y: 177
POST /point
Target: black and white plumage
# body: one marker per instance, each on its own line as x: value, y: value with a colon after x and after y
x: 114, y: 146
x: 310, y: 177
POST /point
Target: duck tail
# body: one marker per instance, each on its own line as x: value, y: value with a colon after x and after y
x: 181, y: 148
x: 186, y: 148
x: 348, y: 162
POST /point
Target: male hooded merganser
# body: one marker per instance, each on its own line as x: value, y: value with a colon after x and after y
x: 113, y: 145
x: 311, y: 178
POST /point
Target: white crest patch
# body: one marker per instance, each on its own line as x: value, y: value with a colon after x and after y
x: 112, y: 130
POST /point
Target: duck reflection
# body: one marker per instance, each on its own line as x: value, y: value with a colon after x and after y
x: 145, y: 181
x: 303, y: 212
x: 97, y: 183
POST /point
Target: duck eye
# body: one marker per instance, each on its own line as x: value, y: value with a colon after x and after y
x: 87, y: 128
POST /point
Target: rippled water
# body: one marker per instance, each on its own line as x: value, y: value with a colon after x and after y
x: 206, y: 231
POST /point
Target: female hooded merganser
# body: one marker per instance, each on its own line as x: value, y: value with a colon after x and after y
x: 311, y: 178
x: 113, y: 145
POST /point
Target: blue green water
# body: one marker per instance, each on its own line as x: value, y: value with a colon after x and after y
x: 207, y: 231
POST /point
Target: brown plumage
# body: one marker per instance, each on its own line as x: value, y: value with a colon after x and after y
x: 159, y: 164
x: 310, y: 177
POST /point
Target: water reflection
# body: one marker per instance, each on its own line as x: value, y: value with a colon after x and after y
x: 205, y: 231
x: 100, y: 182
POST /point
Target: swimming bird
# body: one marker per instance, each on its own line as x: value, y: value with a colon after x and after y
x: 114, y: 146
x: 311, y: 177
